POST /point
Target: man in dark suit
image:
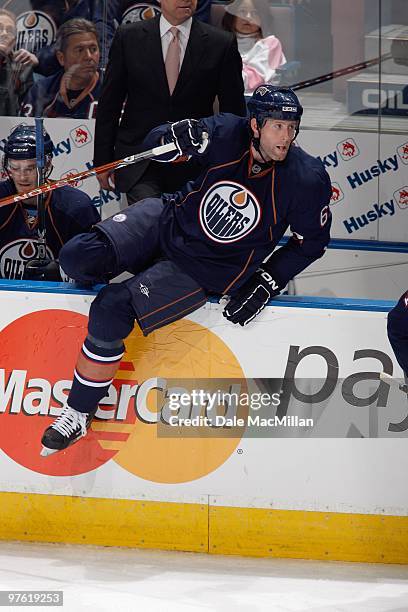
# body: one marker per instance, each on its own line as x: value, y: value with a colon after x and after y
x: 138, y: 75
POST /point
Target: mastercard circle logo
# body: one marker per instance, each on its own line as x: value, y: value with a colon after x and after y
x: 38, y: 353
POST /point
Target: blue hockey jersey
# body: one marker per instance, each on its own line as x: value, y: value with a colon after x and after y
x: 139, y: 10
x: 49, y: 97
x: 69, y: 212
x: 222, y: 226
x: 37, y: 23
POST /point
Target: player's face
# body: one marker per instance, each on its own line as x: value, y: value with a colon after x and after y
x: 177, y: 11
x: 7, y: 34
x: 80, y: 58
x: 24, y: 174
x: 276, y: 137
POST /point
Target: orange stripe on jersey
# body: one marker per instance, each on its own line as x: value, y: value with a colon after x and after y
x: 250, y: 164
x: 52, y: 219
x: 149, y: 314
x: 83, y: 94
x: 9, y: 217
x: 241, y: 273
x: 273, y: 195
x: 177, y: 315
x: 236, y: 161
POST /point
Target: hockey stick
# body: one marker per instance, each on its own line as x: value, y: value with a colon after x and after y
x: 41, y: 267
x: 340, y: 72
x: 115, y: 165
x: 39, y: 153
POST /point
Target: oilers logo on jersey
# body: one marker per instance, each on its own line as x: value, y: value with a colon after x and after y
x: 15, y: 255
x: 35, y: 29
x: 228, y: 212
x: 140, y: 12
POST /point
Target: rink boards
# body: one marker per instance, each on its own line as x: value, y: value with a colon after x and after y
x: 333, y: 489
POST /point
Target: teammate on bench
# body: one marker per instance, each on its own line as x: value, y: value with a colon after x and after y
x: 68, y: 211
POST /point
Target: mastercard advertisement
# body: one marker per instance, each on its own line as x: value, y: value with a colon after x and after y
x: 38, y: 352
x: 131, y: 451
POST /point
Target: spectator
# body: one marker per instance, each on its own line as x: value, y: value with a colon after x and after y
x: 261, y: 51
x: 136, y: 75
x: 74, y: 90
x: 38, y: 22
x: 134, y: 10
x: 69, y: 211
x: 15, y: 67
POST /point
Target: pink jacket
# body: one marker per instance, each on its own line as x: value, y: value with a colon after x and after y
x: 260, y: 62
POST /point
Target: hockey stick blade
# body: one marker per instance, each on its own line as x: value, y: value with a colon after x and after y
x: 115, y: 165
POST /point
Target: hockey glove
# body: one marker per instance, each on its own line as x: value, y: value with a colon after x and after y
x: 42, y: 270
x: 189, y: 137
x: 251, y: 298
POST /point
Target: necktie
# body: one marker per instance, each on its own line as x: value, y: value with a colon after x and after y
x: 172, y: 62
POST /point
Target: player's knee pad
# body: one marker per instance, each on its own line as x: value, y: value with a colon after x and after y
x: 111, y: 315
x: 88, y: 258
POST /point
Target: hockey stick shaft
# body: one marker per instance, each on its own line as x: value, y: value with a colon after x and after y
x: 115, y: 165
x: 341, y: 72
x: 40, y: 160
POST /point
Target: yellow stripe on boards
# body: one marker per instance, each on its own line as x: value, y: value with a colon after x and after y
x: 224, y: 530
x: 106, y: 522
x: 296, y: 534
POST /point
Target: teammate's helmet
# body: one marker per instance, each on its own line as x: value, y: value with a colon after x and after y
x: 21, y: 143
x: 270, y: 101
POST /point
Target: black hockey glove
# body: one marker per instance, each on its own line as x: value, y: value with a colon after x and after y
x: 189, y: 137
x: 42, y: 270
x: 251, y: 298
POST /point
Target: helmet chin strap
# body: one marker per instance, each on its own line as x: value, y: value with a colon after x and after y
x: 256, y: 142
x: 258, y: 149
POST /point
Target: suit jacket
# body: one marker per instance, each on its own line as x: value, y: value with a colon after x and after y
x: 136, y: 75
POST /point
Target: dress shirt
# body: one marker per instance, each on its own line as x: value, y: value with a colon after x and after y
x: 166, y: 36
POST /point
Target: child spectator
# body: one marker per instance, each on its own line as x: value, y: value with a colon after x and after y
x: 261, y: 51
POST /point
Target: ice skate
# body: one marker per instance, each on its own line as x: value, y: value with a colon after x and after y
x: 68, y: 428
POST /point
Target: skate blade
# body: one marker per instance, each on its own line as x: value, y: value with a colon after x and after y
x: 45, y: 452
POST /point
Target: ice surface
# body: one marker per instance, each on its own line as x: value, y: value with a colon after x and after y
x: 98, y: 578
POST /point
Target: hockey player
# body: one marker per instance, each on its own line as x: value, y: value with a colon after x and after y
x: 398, y: 333
x: 218, y: 235
x: 69, y: 211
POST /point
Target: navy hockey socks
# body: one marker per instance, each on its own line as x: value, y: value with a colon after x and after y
x: 94, y: 372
